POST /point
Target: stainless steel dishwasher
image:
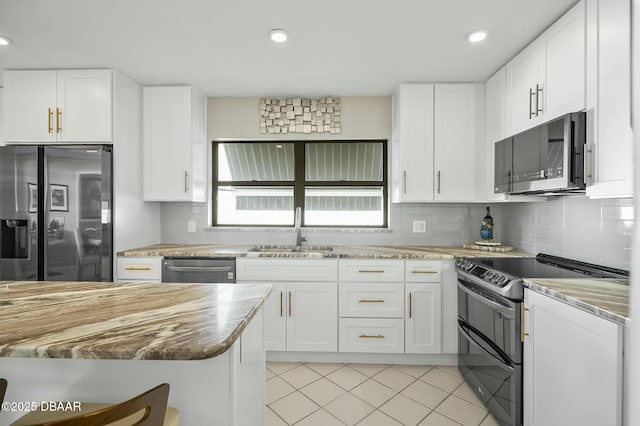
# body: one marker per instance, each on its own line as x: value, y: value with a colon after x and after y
x: 199, y: 270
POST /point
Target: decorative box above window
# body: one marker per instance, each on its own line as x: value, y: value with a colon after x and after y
x: 300, y: 115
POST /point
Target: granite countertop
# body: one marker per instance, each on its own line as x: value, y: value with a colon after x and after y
x: 80, y: 320
x: 337, y: 251
x: 606, y: 298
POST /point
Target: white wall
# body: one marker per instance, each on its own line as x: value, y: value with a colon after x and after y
x: 136, y: 223
x: 363, y: 117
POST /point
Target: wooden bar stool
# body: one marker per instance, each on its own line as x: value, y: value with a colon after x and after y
x: 147, y: 409
x: 3, y: 389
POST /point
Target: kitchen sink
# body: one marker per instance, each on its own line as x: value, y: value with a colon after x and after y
x: 268, y: 248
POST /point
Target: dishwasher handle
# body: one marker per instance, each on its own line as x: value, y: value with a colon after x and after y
x: 198, y: 268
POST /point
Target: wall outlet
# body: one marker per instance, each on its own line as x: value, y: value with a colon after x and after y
x: 419, y: 226
x: 191, y: 226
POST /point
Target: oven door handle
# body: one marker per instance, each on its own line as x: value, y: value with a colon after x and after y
x: 503, y: 361
x: 509, y: 312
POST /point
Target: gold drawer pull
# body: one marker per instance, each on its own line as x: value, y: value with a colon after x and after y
x: 367, y: 336
x: 371, y: 301
x: 50, y: 114
x: 376, y: 271
x: 522, y: 333
x: 58, y: 119
x: 138, y: 268
x: 424, y: 272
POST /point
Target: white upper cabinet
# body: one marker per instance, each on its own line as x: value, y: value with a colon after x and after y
x: 412, y: 143
x: 58, y: 106
x: 175, y: 144
x: 609, y: 171
x: 454, y: 142
x: 547, y: 79
x: 433, y: 143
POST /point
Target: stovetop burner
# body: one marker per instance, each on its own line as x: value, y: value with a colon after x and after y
x: 504, y: 275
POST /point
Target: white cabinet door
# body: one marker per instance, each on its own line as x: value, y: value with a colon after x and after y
x: 412, y: 143
x: 175, y: 153
x: 29, y: 106
x: 275, y: 311
x: 572, y: 365
x: 423, y: 318
x: 62, y: 106
x: 563, y: 66
x: 610, y: 140
x: 522, y: 78
x: 547, y: 79
x: 449, y: 293
x: 312, y: 317
x: 454, y: 142
x: 84, y: 105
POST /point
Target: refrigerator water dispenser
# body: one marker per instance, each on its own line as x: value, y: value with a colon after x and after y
x: 14, y: 238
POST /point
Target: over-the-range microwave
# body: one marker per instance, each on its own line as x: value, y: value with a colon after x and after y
x: 546, y: 159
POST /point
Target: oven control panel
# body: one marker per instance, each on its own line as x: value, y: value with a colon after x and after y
x: 492, y: 277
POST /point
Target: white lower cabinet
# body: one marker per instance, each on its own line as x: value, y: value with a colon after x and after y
x: 572, y: 365
x: 301, y: 313
x: 422, y: 320
x: 275, y: 330
x: 385, y: 335
x: 312, y: 317
x: 139, y: 269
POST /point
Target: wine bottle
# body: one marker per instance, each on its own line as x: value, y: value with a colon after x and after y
x: 486, y: 230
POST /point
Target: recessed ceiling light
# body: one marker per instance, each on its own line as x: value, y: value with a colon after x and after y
x: 4, y: 41
x: 476, y: 36
x: 278, y: 35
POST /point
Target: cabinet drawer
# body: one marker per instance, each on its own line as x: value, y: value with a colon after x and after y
x: 371, y: 270
x: 380, y: 300
x: 286, y: 270
x: 371, y: 335
x: 423, y: 271
x: 139, y: 268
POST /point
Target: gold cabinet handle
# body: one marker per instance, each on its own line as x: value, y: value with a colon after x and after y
x: 289, y: 303
x: 371, y: 301
x: 281, y: 295
x: 58, y: 117
x: 186, y: 181
x: 410, y: 303
x: 137, y: 268
x: 375, y: 271
x: 368, y: 336
x: 522, y: 333
x: 424, y: 272
x: 49, y: 116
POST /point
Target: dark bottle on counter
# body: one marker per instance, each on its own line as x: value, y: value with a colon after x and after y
x: 486, y: 231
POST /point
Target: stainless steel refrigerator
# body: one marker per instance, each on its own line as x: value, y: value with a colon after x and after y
x: 56, y: 213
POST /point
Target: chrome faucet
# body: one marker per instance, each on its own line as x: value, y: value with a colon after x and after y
x: 298, y: 227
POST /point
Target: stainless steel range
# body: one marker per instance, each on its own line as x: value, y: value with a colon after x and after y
x: 490, y: 335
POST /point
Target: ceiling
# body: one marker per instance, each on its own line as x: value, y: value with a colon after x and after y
x: 336, y: 47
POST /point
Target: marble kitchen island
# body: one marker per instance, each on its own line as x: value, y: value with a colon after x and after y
x: 84, y: 341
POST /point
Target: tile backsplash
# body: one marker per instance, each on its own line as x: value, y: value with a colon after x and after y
x: 596, y: 231
x: 445, y: 224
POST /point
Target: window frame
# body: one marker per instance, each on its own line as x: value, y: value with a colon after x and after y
x: 299, y: 183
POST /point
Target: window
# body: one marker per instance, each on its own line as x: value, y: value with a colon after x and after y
x: 337, y: 183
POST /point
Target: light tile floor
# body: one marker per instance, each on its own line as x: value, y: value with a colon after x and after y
x: 317, y: 394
